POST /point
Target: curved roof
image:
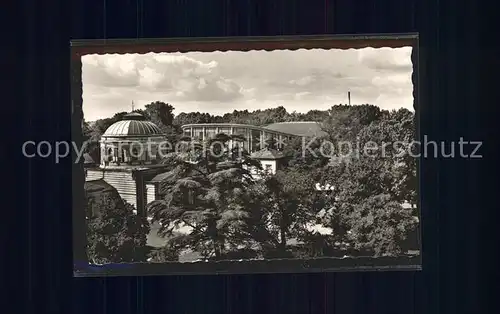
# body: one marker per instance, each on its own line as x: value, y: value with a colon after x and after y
x: 269, y: 154
x: 301, y: 128
x: 133, y: 124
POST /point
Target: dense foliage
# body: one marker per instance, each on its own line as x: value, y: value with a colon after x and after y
x: 279, y: 211
x: 369, y: 208
x: 207, y: 192
x: 115, y: 234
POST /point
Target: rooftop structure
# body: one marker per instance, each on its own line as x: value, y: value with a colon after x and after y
x: 133, y: 124
x: 300, y: 128
x: 271, y: 160
x: 267, y: 154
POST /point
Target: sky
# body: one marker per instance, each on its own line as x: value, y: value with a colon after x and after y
x: 220, y: 82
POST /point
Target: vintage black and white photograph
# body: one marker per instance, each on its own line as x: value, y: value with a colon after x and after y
x: 250, y: 155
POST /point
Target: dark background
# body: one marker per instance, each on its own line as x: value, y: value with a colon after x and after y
x: 37, y: 211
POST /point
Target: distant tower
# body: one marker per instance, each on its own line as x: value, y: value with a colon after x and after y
x: 349, y: 98
x: 132, y: 106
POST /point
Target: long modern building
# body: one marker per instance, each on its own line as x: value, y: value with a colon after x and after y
x: 255, y: 137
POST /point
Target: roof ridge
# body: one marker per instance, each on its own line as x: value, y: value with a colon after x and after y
x: 295, y: 122
x: 132, y: 128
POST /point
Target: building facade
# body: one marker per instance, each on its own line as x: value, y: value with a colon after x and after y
x: 255, y: 141
x: 130, y: 142
x: 130, y: 160
x: 130, y: 154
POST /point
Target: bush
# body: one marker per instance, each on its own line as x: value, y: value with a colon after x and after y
x: 116, y: 234
x: 164, y: 254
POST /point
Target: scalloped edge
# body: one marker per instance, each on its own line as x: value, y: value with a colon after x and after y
x: 223, y: 44
x: 80, y: 48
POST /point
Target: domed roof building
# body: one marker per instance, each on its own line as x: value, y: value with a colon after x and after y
x: 131, y: 142
x: 130, y: 159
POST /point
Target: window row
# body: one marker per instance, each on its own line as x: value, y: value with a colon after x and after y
x: 255, y: 139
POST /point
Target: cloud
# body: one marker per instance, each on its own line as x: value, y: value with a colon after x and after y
x: 180, y: 77
x: 220, y: 82
x: 387, y: 59
x: 325, y: 81
x: 106, y: 71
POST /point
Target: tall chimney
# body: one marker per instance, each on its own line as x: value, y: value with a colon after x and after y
x: 349, y: 98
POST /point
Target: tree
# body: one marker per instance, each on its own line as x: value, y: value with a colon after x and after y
x: 307, y: 154
x: 280, y: 209
x: 393, y: 136
x: 258, y: 117
x: 195, y: 117
x: 91, y: 140
x: 162, y: 115
x: 404, y: 125
x: 206, y: 191
x: 92, y: 132
x: 296, y: 116
x: 101, y: 125
x: 316, y: 115
x: 278, y: 114
x: 380, y: 224
x: 115, y: 233
x: 367, y: 208
x: 168, y: 253
x: 345, y: 122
